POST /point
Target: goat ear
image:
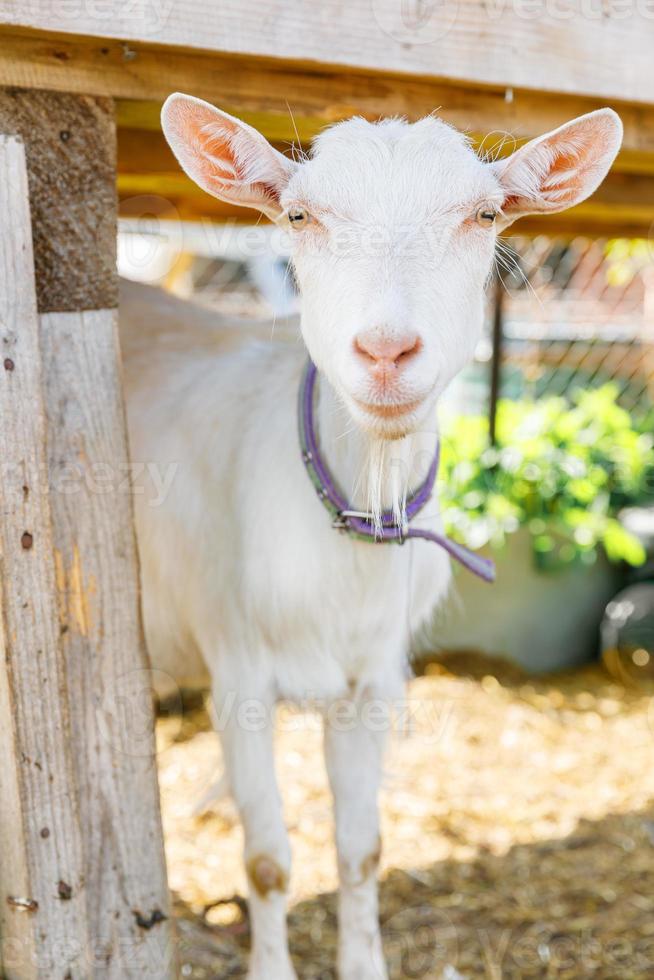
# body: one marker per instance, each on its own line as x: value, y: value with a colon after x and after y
x: 562, y: 168
x: 225, y: 156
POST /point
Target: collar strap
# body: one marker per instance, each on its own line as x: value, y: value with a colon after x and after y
x: 360, y: 525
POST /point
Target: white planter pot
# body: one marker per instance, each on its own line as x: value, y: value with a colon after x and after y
x: 542, y: 621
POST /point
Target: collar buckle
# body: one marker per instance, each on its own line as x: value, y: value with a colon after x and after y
x: 340, y: 522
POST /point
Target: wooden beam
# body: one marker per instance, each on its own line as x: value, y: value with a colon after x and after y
x: 622, y: 201
x: 570, y: 50
x: 103, y: 710
x: 191, y: 209
x: 568, y: 225
x: 145, y: 151
x: 151, y: 183
x: 179, y: 208
x: 42, y: 904
x: 626, y: 199
x: 494, y: 125
x: 142, y: 146
x: 265, y: 91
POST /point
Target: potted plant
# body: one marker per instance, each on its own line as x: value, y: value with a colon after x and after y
x: 545, y: 502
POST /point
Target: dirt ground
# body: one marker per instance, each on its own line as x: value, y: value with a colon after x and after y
x: 518, y: 822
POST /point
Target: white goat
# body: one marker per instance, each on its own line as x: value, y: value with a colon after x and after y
x: 393, y: 228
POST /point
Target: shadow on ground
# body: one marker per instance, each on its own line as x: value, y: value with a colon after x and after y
x: 518, y: 834
x: 577, y: 907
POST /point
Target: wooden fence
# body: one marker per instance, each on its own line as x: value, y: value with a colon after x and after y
x: 82, y: 872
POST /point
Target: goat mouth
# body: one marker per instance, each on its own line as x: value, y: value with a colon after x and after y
x: 389, y: 411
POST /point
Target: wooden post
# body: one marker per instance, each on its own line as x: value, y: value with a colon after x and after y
x: 40, y: 836
x: 82, y: 874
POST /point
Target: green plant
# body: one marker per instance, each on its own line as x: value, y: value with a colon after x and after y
x: 626, y: 258
x: 561, y: 469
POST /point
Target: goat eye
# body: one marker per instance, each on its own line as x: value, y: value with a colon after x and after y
x: 298, y: 217
x: 486, y: 217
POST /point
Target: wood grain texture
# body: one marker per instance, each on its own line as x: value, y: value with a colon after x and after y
x: 109, y: 679
x: 265, y: 91
x: 151, y: 182
x: 70, y: 147
x: 622, y: 205
x: 594, y: 49
x: 143, y: 148
x: 42, y: 907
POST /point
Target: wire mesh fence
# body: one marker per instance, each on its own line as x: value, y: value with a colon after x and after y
x: 564, y: 315
x: 576, y: 315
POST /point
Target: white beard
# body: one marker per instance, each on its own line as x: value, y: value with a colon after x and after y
x: 386, y: 478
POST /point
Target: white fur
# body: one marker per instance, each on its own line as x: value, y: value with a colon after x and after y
x: 242, y: 572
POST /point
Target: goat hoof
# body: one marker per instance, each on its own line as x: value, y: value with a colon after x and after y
x: 274, y: 971
x: 363, y: 964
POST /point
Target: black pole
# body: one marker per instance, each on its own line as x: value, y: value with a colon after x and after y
x: 497, y: 355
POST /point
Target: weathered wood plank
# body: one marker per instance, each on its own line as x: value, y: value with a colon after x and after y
x: 147, y: 168
x: 103, y: 712
x: 143, y: 149
x: 70, y: 146
x: 569, y: 228
x: 622, y: 202
x: 265, y: 92
x: 552, y: 47
x: 42, y: 907
x: 109, y: 680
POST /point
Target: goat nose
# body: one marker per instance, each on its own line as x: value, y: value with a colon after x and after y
x: 386, y: 352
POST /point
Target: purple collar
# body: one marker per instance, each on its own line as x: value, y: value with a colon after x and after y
x: 360, y: 525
